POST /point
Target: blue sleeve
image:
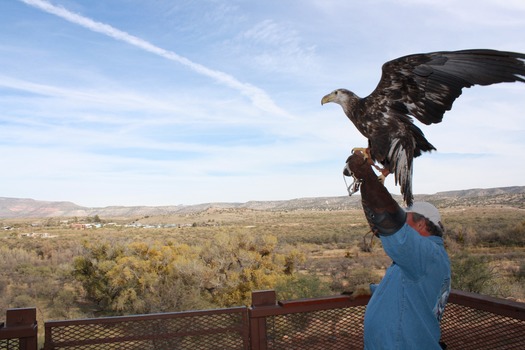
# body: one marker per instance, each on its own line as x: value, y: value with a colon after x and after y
x: 409, y: 250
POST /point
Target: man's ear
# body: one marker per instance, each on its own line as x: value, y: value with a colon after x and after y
x: 416, y: 225
x: 421, y: 227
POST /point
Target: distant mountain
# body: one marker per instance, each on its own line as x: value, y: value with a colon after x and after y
x: 28, y: 208
x: 17, y: 207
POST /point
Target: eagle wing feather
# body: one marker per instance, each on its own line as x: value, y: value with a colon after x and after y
x: 428, y: 84
x: 425, y: 86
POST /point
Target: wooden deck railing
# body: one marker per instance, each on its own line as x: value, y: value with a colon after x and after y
x: 20, y: 330
x: 470, y: 321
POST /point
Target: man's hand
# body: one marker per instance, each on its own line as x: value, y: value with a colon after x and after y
x: 357, y: 165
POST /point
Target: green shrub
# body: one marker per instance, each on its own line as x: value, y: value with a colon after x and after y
x: 471, y: 273
x: 301, y: 286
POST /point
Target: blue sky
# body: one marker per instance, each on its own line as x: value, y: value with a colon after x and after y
x: 129, y: 102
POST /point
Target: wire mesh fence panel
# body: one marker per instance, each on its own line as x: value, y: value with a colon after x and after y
x: 467, y: 328
x: 9, y: 344
x: 335, y: 329
x: 221, y: 330
x: 469, y: 322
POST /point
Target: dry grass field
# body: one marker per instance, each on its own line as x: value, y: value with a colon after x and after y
x: 215, y: 257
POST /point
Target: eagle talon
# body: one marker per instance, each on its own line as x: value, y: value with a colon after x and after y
x: 365, y: 152
x: 366, y: 155
x: 384, y: 173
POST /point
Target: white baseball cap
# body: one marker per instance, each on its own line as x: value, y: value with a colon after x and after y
x: 428, y: 210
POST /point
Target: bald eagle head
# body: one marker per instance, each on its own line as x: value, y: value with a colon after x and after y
x: 339, y: 96
x: 345, y: 98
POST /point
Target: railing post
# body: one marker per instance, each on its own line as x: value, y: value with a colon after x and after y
x: 21, y: 324
x: 261, y: 298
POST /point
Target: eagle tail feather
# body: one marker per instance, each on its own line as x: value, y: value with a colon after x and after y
x: 401, y: 165
x: 422, y: 144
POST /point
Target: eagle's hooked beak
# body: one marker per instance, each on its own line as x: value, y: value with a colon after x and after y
x: 328, y: 98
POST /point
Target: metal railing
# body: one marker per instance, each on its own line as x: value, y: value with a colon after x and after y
x: 473, y: 321
x: 470, y: 321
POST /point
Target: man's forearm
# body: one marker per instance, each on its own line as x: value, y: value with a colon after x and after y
x: 383, y: 213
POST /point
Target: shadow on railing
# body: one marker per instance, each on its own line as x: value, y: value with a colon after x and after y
x: 470, y: 321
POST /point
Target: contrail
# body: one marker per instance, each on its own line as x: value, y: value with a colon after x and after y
x: 259, y: 97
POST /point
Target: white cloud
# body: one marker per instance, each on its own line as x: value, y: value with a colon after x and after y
x: 273, y: 47
x: 259, y: 98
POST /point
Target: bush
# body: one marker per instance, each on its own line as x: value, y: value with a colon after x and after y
x: 471, y: 273
x: 154, y: 277
x: 520, y: 274
x: 301, y: 286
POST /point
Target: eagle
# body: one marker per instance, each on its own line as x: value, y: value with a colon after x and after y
x: 421, y: 86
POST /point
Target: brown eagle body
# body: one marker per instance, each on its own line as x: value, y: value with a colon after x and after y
x: 422, y: 86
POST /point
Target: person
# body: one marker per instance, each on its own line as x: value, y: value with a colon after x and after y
x: 405, y: 309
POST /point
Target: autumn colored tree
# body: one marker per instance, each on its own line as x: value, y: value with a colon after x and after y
x: 152, y: 277
x: 240, y: 263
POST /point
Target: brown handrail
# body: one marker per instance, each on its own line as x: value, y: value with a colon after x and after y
x: 498, y: 306
x: 471, y: 321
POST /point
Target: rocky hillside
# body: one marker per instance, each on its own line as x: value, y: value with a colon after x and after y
x: 26, y: 208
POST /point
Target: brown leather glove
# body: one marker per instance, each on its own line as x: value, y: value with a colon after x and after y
x: 359, y: 166
x: 383, y: 213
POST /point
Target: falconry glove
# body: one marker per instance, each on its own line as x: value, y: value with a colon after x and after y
x: 383, y: 213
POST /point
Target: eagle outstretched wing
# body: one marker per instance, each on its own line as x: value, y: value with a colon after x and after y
x: 428, y: 84
x: 423, y: 86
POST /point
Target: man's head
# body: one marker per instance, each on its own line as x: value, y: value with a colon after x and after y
x: 425, y: 218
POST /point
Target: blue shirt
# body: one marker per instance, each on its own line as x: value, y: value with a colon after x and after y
x: 406, y: 307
